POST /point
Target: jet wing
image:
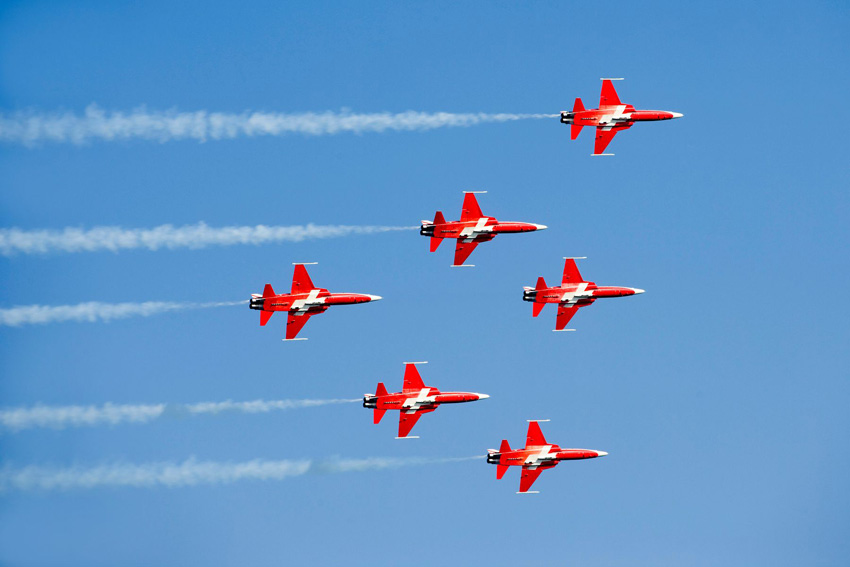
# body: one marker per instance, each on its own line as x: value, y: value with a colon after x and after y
x: 604, y: 135
x: 535, y: 435
x: 406, y: 421
x: 565, y: 313
x: 301, y: 282
x: 528, y: 477
x: 412, y: 379
x: 295, y: 322
x: 608, y: 96
x: 463, y: 250
x: 471, y: 210
x: 571, y: 273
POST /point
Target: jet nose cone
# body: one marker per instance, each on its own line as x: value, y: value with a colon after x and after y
x: 483, y: 396
x: 677, y: 114
x: 541, y: 226
x: 637, y: 291
x: 601, y: 453
x: 374, y: 297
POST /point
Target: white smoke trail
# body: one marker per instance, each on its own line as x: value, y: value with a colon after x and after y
x: 31, y: 127
x: 94, y: 311
x: 60, y: 417
x: 191, y: 472
x: 114, y: 238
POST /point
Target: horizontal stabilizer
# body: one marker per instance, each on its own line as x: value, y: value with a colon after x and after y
x: 378, y: 415
x: 500, y: 471
x: 265, y: 316
x: 578, y: 106
x: 439, y: 218
x: 536, y: 308
x: 268, y: 291
x: 435, y: 243
x: 381, y: 390
x: 575, y: 130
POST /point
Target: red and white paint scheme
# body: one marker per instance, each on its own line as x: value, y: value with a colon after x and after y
x: 573, y: 294
x: 304, y: 301
x: 611, y: 117
x: 472, y: 228
x: 414, y: 399
x: 535, y: 457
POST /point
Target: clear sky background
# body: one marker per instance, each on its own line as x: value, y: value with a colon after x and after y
x: 721, y: 394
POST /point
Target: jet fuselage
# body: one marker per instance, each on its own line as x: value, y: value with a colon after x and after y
x: 423, y: 399
x: 314, y: 300
x: 478, y: 230
x: 583, y: 293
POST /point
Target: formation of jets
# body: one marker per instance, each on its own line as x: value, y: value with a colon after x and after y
x: 415, y: 398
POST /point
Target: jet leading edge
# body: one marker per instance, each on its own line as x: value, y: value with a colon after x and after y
x: 472, y: 228
x: 414, y: 399
x: 573, y: 294
x: 535, y: 457
x: 611, y: 117
x: 304, y: 301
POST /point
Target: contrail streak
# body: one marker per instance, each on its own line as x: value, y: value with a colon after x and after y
x: 32, y: 127
x: 114, y: 238
x: 60, y: 417
x: 192, y: 472
x: 94, y: 311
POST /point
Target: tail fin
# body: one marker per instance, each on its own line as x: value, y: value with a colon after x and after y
x: 502, y: 469
x: 379, y: 413
x: 541, y: 284
x: 268, y: 291
x: 439, y: 218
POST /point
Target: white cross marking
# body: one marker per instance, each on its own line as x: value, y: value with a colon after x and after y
x: 544, y: 455
x: 574, y: 296
x: 305, y: 304
x: 480, y: 227
x: 421, y: 399
x: 617, y: 116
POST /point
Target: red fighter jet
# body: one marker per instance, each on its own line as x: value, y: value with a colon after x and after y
x: 472, y: 228
x: 304, y: 301
x: 611, y: 117
x: 536, y: 457
x: 573, y: 294
x: 414, y: 399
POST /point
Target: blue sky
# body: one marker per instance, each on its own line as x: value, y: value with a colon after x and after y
x: 721, y: 394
